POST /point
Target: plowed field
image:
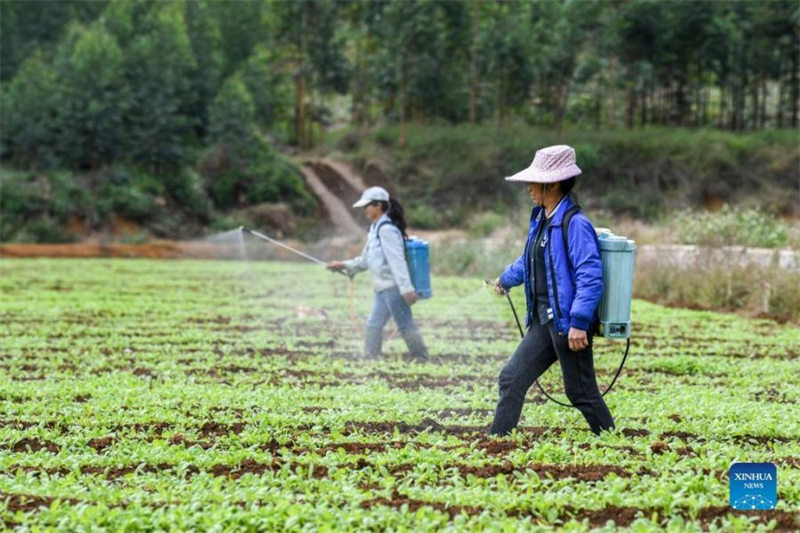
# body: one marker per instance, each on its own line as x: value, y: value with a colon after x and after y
x: 197, y: 395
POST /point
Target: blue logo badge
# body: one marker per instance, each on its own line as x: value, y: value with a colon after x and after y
x: 753, y: 486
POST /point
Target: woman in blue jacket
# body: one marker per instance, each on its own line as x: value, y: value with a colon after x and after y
x: 562, y: 290
x: 384, y: 255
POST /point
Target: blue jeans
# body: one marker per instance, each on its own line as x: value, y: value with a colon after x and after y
x: 390, y: 303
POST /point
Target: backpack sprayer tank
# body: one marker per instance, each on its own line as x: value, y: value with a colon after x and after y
x: 419, y: 266
x: 617, y: 254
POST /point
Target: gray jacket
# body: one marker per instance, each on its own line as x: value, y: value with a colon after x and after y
x: 385, y: 258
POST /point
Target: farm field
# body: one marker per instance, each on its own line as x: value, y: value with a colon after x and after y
x: 225, y: 395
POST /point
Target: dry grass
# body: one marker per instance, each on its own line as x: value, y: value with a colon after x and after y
x: 751, y: 290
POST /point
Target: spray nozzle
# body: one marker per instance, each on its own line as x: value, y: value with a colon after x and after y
x: 490, y: 283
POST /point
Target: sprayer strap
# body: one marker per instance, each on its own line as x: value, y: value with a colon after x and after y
x: 565, y: 229
x: 378, y: 235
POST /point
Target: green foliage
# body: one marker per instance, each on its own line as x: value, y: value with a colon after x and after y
x: 37, y: 207
x: 243, y: 167
x: 483, y: 224
x: 730, y: 226
x: 251, y: 174
x: 643, y: 174
x: 41, y: 207
x: 94, y: 99
x: 423, y: 216
x: 231, y: 114
x: 463, y: 257
x: 268, y: 88
x: 93, y: 85
x: 28, y: 28
x: 158, y: 65
x: 28, y: 106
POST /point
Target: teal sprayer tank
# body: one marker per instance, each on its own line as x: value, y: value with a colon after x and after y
x: 617, y: 254
x: 419, y: 266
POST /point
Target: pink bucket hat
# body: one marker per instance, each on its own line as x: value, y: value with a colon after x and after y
x: 551, y: 164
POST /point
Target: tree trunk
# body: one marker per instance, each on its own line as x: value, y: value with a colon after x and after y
x: 643, y: 108
x: 359, y: 91
x: 763, y: 114
x: 680, y: 101
x: 473, y: 62
x: 735, y: 108
x: 401, y: 141
x: 562, y: 93
x: 500, y: 111
x: 316, y: 121
x: 298, y: 106
x: 779, y: 111
x: 610, y: 103
x: 755, y: 103
x: 598, y: 105
x: 795, y: 88
x: 630, y: 108
x: 299, y: 114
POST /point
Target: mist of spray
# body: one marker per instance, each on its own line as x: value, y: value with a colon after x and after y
x: 231, y: 241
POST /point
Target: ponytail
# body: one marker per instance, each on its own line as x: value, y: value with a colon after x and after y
x: 394, y: 211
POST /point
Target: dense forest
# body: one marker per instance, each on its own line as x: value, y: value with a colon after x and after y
x: 205, y: 97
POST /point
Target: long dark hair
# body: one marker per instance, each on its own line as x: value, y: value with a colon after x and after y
x: 394, y: 211
x: 566, y: 188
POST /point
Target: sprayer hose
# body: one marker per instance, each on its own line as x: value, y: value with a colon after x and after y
x: 614, y: 380
x: 351, y: 304
x: 616, y: 375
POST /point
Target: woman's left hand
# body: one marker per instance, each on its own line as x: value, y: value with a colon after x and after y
x: 578, y: 340
x: 410, y: 297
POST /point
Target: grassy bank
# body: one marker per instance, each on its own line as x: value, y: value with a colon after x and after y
x: 445, y: 175
x: 445, y: 172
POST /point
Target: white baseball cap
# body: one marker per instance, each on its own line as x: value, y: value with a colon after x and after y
x: 373, y: 194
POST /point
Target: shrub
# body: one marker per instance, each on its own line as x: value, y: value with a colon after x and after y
x: 769, y: 292
x: 730, y: 227
x: 34, y: 206
x: 483, y: 224
x: 423, y: 216
x: 42, y: 230
x: 252, y: 173
x: 470, y: 258
x: 643, y: 173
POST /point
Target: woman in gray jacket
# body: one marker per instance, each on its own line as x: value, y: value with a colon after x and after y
x: 384, y: 256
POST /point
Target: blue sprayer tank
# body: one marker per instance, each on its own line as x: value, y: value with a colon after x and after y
x: 419, y: 266
x: 617, y: 254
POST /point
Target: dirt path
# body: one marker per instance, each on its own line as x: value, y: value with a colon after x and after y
x: 347, y: 173
x: 153, y: 250
x: 336, y: 208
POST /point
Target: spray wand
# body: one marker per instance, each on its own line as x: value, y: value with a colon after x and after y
x: 522, y: 334
x: 287, y: 247
x: 312, y: 259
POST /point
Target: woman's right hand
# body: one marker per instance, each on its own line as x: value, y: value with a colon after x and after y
x: 498, y: 289
x: 335, y: 266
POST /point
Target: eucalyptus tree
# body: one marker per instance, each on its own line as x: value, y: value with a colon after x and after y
x: 94, y: 97
x: 309, y: 41
x: 158, y: 64
x: 29, y: 105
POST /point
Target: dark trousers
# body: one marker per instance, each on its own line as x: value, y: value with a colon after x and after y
x: 539, y: 349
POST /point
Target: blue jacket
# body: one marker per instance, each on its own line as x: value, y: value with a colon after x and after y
x: 574, y: 289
